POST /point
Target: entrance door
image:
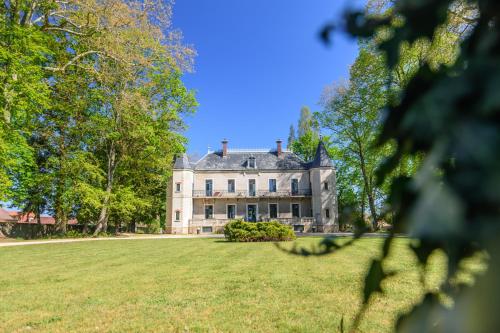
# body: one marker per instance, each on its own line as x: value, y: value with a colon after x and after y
x: 252, y: 213
x: 273, y: 211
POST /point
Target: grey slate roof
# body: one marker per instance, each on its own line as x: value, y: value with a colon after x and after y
x: 263, y: 161
x: 321, y: 159
x: 238, y: 161
x: 182, y: 162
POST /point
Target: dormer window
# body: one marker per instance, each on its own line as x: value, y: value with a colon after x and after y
x: 251, y: 162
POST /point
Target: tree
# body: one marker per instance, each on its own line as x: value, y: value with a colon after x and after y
x: 306, y: 142
x: 138, y: 127
x: 443, y: 113
x: 90, y: 87
x: 352, y: 115
x: 291, y: 137
x: 306, y: 122
x: 305, y: 146
x: 441, y: 51
x: 23, y: 93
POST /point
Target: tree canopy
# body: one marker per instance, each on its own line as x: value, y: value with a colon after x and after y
x: 93, y: 105
x: 445, y: 113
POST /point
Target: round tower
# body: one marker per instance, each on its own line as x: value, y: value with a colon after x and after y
x: 324, y: 191
x: 180, y: 203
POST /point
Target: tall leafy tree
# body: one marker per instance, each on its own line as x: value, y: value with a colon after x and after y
x: 306, y: 122
x: 23, y: 93
x: 307, y: 139
x: 139, y: 123
x: 90, y: 87
x: 291, y: 137
x: 305, y: 145
x: 442, y: 113
x: 443, y: 50
x: 352, y: 115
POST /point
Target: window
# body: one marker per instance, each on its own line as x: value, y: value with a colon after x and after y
x: 230, y: 186
x: 273, y: 211
x: 208, y: 187
x: 272, y: 185
x: 298, y: 228
x: 325, y: 186
x: 295, y: 186
x: 295, y: 210
x: 209, y: 212
x: 231, y: 211
x: 251, y: 162
x: 206, y: 229
x: 327, y: 213
x: 177, y: 187
x: 177, y: 215
x: 251, y: 187
x: 252, y: 213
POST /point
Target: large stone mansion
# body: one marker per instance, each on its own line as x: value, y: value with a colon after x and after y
x: 255, y: 185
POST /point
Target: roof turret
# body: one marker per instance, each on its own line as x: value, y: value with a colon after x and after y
x: 321, y: 159
x: 182, y: 162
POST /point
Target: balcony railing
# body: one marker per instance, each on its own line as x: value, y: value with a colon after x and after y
x: 251, y: 194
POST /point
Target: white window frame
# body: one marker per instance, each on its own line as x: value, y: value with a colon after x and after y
x: 291, y: 209
x: 227, y: 210
x: 205, y: 186
x: 180, y: 187
x: 326, y: 186
x: 327, y: 216
x: 277, y: 210
x: 205, y: 214
x: 234, y: 188
x: 256, y: 211
x: 256, y: 187
x: 275, y: 185
x: 175, y: 215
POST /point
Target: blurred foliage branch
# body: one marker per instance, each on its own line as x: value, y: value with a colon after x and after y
x: 448, y: 112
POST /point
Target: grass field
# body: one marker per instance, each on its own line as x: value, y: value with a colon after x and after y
x: 197, y: 285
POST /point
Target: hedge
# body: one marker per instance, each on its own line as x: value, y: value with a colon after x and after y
x: 240, y: 231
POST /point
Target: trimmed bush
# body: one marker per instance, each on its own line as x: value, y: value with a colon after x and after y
x: 240, y: 231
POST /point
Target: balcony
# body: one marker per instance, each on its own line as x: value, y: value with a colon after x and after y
x: 251, y: 194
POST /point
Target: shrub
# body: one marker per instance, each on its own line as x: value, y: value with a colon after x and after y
x: 74, y: 234
x: 240, y: 231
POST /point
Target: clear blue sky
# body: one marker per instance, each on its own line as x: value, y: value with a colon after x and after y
x: 258, y: 63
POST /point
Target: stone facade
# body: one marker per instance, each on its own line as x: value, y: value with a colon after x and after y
x: 255, y: 185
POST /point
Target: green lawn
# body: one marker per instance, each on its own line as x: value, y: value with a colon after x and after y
x: 197, y: 285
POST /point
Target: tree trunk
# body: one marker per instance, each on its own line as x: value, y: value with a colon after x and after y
x: 60, y: 212
x: 61, y: 221
x: 60, y: 216
x: 368, y: 187
x: 102, y: 222
x: 363, y: 199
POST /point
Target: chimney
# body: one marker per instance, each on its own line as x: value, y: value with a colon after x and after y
x: 224, y: 148
x: 279, y: 150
